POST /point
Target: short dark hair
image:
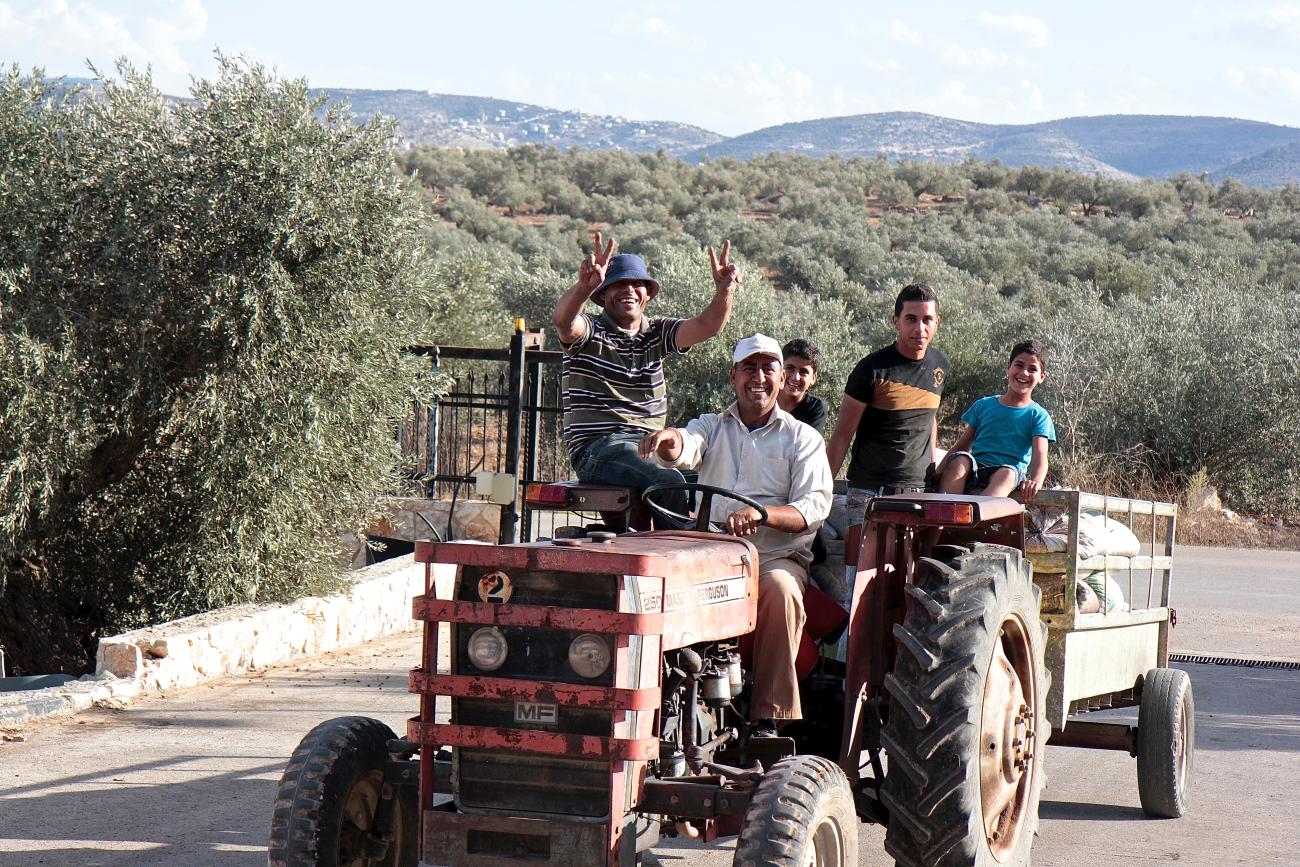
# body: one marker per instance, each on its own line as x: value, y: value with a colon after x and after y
x: 1030, y: 347
x: 915, y: 292
x: 803, y: 349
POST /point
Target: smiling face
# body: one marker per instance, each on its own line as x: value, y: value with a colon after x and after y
x: 916, y: 325
x: 756, y: 381
x: 625, y: 302
x: 1024, y: 374
x: 799, y: 377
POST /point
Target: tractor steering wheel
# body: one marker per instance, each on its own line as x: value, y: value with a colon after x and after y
x: 707, y: 493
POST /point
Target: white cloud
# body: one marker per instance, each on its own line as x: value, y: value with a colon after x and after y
x: 1266, y: 81
x: 950, y: 53
x: 61, y: 36
x: 1035, y: 31
x: 904, y: 34
x: 884, y: 66
x: 1279, y: 18
x: 653, y: 28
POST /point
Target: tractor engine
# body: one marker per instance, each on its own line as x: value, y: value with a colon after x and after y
x: 699, y: 684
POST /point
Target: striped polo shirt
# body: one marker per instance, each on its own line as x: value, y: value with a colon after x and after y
x: 614, y: 380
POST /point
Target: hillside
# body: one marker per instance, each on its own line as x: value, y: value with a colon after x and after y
x: 446, y: 120
x: 1153, y: 146
x: 1272, y: 168
x: 1124, y: 146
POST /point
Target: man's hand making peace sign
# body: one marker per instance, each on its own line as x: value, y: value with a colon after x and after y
x: 726, y: 276
x: 591, y: 273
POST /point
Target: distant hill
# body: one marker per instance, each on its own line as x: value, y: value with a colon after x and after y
x: 1133, y: 145
x: 1275, y: 167
x: 481, y: 122
x: 1125, y: 145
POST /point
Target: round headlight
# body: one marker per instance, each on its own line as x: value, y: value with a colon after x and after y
x: 487, y: 648
x: 589, y: 655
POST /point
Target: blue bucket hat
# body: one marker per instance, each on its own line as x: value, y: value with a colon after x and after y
x: 626, y: 266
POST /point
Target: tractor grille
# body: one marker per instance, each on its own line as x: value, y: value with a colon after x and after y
x: 519, y: 783
x: 522, y: 783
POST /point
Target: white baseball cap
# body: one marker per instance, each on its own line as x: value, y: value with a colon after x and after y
x: 756, y: 344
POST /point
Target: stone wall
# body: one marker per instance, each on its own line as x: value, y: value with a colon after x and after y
x: 245, y: 637
x: 409, y: 518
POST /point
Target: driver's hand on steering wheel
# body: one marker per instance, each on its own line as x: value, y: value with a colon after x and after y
x: 744, y: 521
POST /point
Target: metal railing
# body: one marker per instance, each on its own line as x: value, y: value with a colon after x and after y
x: 502, y: 413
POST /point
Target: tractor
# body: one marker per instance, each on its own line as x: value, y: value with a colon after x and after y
x: 581, y: 697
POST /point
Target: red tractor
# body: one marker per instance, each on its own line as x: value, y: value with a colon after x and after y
x: 580, y: 697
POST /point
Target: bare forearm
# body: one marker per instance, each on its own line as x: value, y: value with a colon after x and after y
x: 846, y: 427
x: 568, y: 311
x: 838, y: 447
x: 787, y: 519
x: 709, y: 323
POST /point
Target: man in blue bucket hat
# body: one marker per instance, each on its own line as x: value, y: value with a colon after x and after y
x: 614, y: 389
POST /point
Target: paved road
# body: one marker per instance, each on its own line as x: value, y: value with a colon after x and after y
x: 188, y: 779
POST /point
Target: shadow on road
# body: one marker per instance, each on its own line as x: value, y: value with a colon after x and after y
x: 1078, y: 812
x: 103, y: 824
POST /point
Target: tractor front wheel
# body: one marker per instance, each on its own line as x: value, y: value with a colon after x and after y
x: 329, y: 795
x: 801, y: 815
x: 966, y: 733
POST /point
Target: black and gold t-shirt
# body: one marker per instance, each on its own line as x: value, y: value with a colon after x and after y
x: 892, y: 446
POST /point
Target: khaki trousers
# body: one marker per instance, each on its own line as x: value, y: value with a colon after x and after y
x: 776, y: 640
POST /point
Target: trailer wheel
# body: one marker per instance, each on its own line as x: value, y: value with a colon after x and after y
x: 329, y: 793
x: 801, y: 815
x: 966, y: 731
x: 1166, y: 742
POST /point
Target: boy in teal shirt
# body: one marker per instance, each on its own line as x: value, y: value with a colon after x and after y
x: 1004, y: 444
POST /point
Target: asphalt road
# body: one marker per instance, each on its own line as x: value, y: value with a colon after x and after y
x: 188, y: 779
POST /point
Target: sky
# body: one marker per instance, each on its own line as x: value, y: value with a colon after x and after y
x: 730, y: 67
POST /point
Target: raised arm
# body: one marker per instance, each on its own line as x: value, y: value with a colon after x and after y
x: 569, y: 324
x: 846, y: 426
x: 713, y: 318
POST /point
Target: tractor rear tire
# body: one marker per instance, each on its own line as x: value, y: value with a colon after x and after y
x: 801, y: 814
x: 325, y: 806
x: 1166, y: 742
x: 966, y: 732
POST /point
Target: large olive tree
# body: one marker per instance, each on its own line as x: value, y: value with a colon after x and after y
x: 201, y: 321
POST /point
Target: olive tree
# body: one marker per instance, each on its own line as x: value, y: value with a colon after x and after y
x: 201, y: 321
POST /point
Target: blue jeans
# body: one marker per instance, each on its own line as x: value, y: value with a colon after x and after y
x: 858, y: 499
x: 613, y: 460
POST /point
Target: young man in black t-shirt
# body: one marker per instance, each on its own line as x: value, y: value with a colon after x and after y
x: 801, y: 360
x: 891, y: 401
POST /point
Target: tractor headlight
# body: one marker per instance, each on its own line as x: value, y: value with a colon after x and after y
x: 589, y: 655
x: 487, y: 648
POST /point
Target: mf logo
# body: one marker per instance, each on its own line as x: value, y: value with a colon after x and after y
x: 536, y: 713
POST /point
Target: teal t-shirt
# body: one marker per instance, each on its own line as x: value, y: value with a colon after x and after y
x: 1004, y: 435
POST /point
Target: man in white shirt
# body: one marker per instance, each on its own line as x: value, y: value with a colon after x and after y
x: 757, y: 449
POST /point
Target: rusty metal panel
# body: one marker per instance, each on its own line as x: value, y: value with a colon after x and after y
x: 531, y: 741
x: 463, y: 840
x: 473, y: 686
x: 659, y: 553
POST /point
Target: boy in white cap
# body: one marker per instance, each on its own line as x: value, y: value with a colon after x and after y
x: 757, y: 449
x: 614, y: 389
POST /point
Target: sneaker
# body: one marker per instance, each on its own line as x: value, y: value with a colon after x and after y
x: 764, y: 728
